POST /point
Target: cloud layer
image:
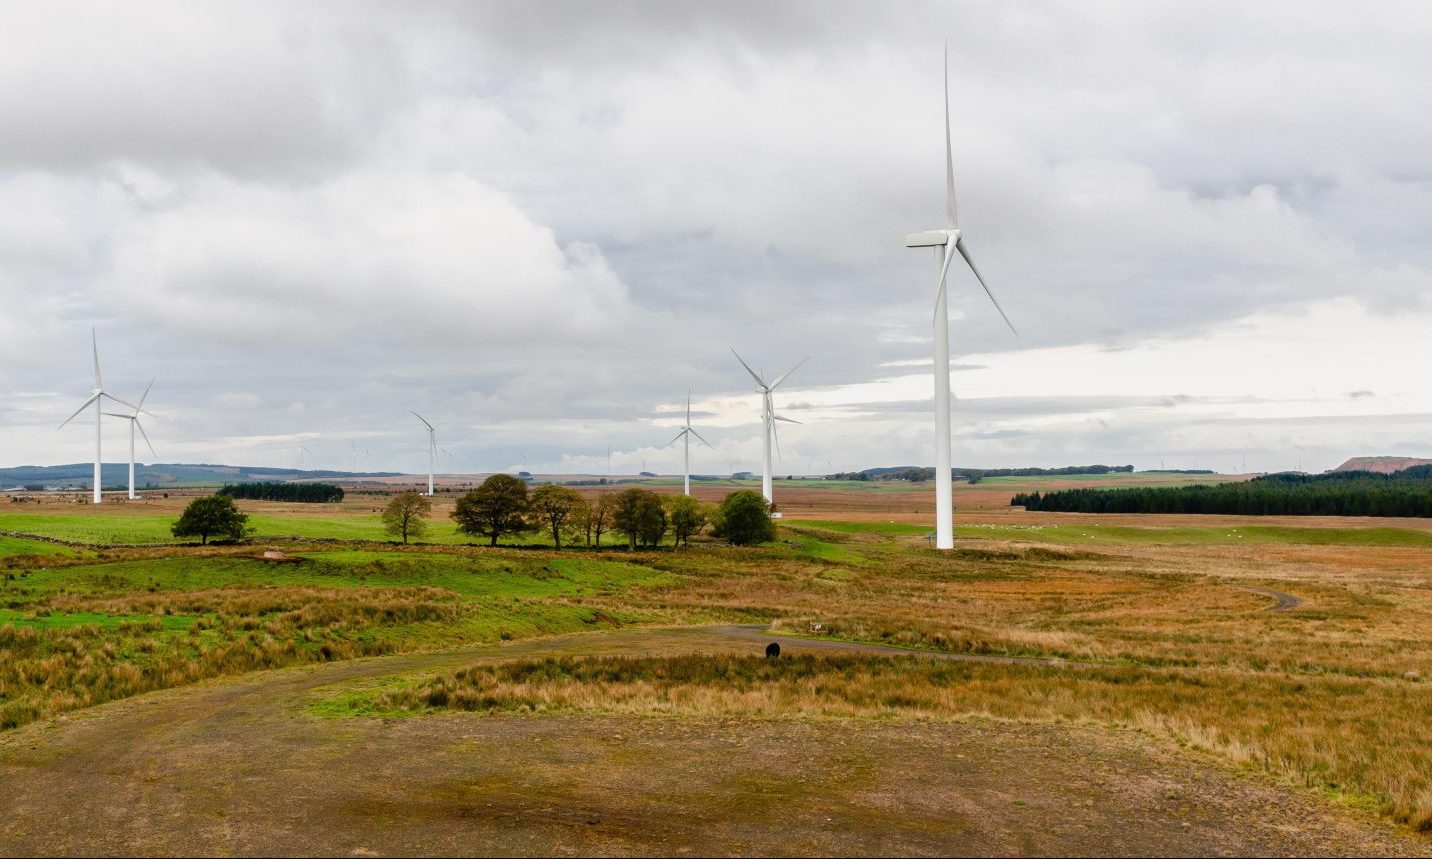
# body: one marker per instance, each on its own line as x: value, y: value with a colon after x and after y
x: 541, y: 227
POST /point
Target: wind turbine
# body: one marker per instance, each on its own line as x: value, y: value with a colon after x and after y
x: 687, y: 431
x: 97, y: 394
x: 946, y: 243
x: 432, y: 449
x: 133, y: 425
x: 769, y: 418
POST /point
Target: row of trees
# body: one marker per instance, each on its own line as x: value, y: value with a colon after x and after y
x: 1337, y: 494
x: 310, y: 493
x: 505, y: 506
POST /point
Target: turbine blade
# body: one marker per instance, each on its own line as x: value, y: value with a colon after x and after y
x: 146, y: 436
x: 678, y: 438
x: 119, y: 415
x: 688, y: 407
x: 94, y: 341
x: 949, y: 156
x: 702, y: 440
x: 960, y: 246
x: 754, y: 375
x: 121, y: 402
x: 92, y: 398
x: 423, y: 419
x: 786, y: 419
x: 776, y: 438
x: 942, y: 286
x: 145, y: 395
x: 787, y: 374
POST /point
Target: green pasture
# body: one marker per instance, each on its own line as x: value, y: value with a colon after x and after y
x: 139, y: 530
x: 21, y: 546
x: 468, y: 576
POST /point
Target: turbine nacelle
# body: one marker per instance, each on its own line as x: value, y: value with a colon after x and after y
x: 932, y: 239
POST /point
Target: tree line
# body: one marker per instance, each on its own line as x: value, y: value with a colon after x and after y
x: 505, y: 506
x: 309, y: 493
x: 917, y: 474
x: 1350, y: 493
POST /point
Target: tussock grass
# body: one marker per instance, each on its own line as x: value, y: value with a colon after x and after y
x: 49, y: 670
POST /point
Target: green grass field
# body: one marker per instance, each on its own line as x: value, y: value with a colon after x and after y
x: 21, y: 546
x: 319, y: 523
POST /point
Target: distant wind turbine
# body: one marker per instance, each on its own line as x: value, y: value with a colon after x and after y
x: 687, y: 431
x: 432, y: 449
x: 133, y: 425
x: 97, y: 393
x: 769, y: 418
x: 946, y: 242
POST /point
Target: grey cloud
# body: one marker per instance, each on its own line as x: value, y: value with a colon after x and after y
x: 527, y: 212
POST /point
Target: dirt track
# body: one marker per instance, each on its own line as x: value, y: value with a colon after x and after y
x: 239, y: 766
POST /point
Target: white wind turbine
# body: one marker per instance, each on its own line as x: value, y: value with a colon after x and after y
x: 769, y: 418
x: 946, y: 243
x: 97, y: 394
x: 687, y: 431
x: 432, y: 449
x: 133, y: 425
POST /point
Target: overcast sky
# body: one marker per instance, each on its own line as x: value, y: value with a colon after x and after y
x: 541, y: 223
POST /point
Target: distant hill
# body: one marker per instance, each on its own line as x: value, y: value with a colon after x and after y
x: 160, y: 475
x: 1381, y: 464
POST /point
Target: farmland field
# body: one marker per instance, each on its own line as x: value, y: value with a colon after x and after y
x: 1165, y: 671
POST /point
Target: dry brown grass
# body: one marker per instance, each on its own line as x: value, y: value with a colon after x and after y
x: 46, y: 671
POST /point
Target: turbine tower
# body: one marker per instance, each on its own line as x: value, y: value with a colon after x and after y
x: 769, y: 418
x: 432, y: 449
x: 97, y: 394
x: 687, y: 431
x: 946, y: 242
x: 133, y: 425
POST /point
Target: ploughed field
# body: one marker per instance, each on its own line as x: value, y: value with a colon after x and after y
x: 1084, y: 684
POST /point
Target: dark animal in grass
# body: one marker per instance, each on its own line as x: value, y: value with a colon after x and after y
x: 773, y: 650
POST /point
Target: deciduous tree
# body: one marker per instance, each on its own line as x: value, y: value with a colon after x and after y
x: 405, y: 516
x: 601, y: 516
x: 211, y: 516
x: 688, y: 516
x: 638, y: 514
x: 499, y: 506
x: 556, y: 507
